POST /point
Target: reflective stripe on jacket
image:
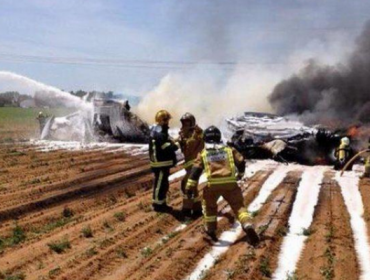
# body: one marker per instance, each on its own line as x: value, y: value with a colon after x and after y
x: 220, y: 164
x: 161, y: 148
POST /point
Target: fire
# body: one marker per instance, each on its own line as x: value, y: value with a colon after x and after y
x: 354, y: 131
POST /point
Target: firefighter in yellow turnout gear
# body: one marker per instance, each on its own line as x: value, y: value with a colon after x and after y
x: 162, y: 153
x: 223, y: 166
x: 366, y: 173
x: 191, y: 143
x: 343, y: 154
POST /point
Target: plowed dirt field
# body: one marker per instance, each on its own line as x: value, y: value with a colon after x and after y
x: 84, y: 212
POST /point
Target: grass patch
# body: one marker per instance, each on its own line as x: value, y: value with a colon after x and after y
x: 121, y: 253
x: 60, y: 246
x: 87, y: 232
x: 55, y: 272
x: 282, y: 231
x: 13, y: 276
x: 120, y: 216
x: 230, y: 274
x: 254, y: 213
x: 91, y: 252
x: 262, y: 229
x: 52, y: 225
x: 265, y: 267
x: 330, y: 235
x: 113, y: 199
x: 67, y: 212
x: 307, y: 231
x: 146, y: 252
x: 145, y: 207
x: 327, y: 272
x: 106, y: 243
x: 292, y: 276
x: 18, y: 236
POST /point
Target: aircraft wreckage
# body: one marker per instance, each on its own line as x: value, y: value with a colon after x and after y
x: 109, y: 120
x: 261, y: 136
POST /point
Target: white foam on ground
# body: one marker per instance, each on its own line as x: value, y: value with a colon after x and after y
x: 349, y: 184
x: 300, y: 219
x: 47, y: 146
x: 177, y: 175
x: 228, y: 237
x: 271, y: 183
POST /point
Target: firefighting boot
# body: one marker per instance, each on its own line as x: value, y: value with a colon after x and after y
x: 197, y: 210
x: 210, y: 235
x: 251, y: 234
x: 186, y: 212
x: 162, y: 208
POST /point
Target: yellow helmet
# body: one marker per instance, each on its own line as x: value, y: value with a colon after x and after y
x: 162, y: 115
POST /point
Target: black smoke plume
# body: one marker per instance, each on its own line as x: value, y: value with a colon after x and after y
x: 331, y: 95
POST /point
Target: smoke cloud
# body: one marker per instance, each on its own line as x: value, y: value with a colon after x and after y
x: 333, y: 95
x: 208, y: 95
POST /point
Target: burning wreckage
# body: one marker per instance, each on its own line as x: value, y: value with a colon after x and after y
x: 109, y: 121
x: 261, y: 136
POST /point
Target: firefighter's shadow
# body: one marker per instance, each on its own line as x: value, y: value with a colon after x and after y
x: 178, y: 215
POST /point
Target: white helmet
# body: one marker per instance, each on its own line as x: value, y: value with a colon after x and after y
x: 344, y: 141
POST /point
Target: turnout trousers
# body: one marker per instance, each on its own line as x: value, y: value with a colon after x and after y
x: 233, y: 196
x: 193, y: 203
x: 161, y: 185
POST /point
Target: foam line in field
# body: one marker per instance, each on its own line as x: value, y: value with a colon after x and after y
x: 349, y: 184
x: 300, y: 219
x: 177, y: 175
x: 270, y: 184
x: 220, y: 247
x: 228, y: 237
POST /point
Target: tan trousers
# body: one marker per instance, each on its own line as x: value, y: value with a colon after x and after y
x: 233, y: 196
x: 194, y: 203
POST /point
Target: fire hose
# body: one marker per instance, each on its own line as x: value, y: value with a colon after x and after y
x: 353, y: 159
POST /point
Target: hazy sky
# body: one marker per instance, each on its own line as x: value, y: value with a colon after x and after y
x: 64, y: 35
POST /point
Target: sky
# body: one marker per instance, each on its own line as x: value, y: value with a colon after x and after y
x: 129, y: 46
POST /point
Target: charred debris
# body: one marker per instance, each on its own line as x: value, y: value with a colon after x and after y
x: 263, y: 136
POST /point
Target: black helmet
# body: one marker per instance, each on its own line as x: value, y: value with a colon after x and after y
x: 188, y: 117
x: 212, y: 135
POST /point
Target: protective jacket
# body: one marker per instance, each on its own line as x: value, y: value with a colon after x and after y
x: 162, y: 150
x: 222, y: 165
x: 191, y: 143
x: 343, y: 153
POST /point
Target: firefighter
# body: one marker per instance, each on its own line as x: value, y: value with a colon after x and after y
x: 191, y: 143
x: 42, y: 120
x: 343, y: 154
x: 223, y: 166
x: 366, y: 173
x: 162, y: 153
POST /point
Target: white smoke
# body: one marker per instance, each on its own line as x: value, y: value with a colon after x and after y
x: 14, y: 82
x: 210, y: 94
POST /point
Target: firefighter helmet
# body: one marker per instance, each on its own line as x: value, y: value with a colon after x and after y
x: 212, y: 135
x: 188, y: 117
x: 344, y: 141
x: 161, y: 116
